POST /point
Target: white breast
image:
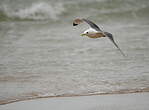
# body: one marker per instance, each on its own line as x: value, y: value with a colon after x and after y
x: 90, y: 30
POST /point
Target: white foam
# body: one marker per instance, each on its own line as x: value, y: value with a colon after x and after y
x: 38, y: 11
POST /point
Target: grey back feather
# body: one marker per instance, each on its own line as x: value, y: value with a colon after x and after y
x: 93, y: 25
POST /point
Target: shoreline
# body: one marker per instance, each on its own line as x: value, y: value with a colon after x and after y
x: 132, y: 101
x: 35, y: 97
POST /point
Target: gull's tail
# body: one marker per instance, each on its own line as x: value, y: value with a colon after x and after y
x: 110, y: 36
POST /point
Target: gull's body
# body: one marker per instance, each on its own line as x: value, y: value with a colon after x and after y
x: 95, y: 32
x: 92, y: 33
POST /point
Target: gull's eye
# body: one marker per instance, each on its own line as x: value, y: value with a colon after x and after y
x: 87, y: 32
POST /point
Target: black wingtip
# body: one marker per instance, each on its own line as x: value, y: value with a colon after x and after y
x: 74, y: 24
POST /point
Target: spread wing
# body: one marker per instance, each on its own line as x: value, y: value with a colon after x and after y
x: 92, y: 25
x: 110, y: 36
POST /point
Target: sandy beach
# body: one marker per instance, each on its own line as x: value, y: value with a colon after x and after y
x: 133, y: 101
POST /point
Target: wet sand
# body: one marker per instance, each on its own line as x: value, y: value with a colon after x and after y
x: 132, y: 101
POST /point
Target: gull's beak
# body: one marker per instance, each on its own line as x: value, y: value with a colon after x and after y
x: 83, y: 34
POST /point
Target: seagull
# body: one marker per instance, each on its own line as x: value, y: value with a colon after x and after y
x: 95, y: 32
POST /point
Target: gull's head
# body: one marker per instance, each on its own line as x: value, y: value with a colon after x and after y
x: 89, y: 32
x: 77, y: 21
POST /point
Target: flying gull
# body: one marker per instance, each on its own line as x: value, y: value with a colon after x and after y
x: 95, y: 32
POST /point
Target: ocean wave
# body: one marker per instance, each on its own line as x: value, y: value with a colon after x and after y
x: 37, y: 11
x: 57, y: 10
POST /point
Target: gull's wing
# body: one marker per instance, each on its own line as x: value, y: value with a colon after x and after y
x: 110, y: 36
x: 92, y: 25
